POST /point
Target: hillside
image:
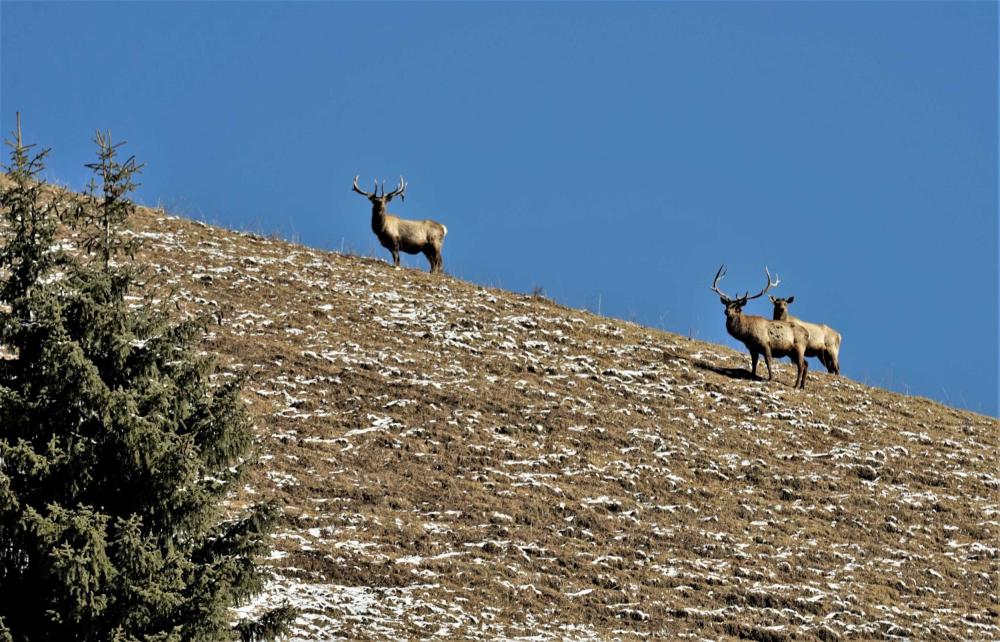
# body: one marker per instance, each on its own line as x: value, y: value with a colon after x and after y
x: 464, y: 462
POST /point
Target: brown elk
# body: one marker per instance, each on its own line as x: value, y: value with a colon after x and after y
x: 399, y: 234
x: 764, y: 336
x: 824, y: 341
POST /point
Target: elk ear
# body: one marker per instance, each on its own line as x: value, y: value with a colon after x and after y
x: 771, y: 296
x: 724, y: 302
x: 790, y: 299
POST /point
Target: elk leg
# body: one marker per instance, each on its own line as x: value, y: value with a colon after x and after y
x: 767, y: 360
x: 395, y: 257
x: 753, y: 362
x: 432, y: 258
x: 834, y: 366
x: 802, y: 374
x: 438, y: 259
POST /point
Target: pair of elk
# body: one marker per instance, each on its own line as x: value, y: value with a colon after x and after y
x: 402, y: 235
x: 764, y: 336
x: 824, y: 341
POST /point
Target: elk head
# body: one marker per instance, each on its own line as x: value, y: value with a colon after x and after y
x: 734, y: 307
x: 379, y: 203
x: 781, y: 306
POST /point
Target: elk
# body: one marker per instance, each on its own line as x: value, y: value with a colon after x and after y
x: 764, y: 336
x: 824, y: 341
x: 399, y: 234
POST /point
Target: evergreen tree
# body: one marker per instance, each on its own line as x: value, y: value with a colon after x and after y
x: 116, y: 450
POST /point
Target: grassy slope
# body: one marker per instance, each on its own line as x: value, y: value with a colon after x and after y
x: 468, y: 462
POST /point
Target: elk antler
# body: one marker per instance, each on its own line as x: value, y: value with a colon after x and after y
x: 770, y: 284
x: 746, y: 296
x: 718, y: 276
x: 398, y: 191
x: 363, y: 193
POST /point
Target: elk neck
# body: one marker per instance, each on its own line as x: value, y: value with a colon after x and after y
x: 737, y: 323
x: 379, y: 211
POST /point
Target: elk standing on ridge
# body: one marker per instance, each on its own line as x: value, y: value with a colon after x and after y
x: 399, y: 234
x: 764, y: 336
x: 824, y: 341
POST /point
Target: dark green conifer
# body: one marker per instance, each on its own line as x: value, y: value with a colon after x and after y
x: 116, y: 449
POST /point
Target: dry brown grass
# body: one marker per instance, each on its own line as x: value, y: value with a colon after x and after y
x: 464, y: 462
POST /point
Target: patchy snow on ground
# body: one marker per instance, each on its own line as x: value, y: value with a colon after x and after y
x: 458, y: 462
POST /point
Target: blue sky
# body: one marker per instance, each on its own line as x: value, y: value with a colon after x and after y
x: 612, y: 154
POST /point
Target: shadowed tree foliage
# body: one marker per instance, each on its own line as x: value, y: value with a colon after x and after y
x: 116, y: 449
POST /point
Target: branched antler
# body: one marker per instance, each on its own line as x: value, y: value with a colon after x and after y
x: 746, y: 296
x: 770, y: 284
x: 715, y: 283
x: 362, y: 192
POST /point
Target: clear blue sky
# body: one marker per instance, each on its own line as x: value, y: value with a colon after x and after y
x: 612, y: 154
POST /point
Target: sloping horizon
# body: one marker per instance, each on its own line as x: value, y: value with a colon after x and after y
x: 612, y: 155
x: 457, y: 461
